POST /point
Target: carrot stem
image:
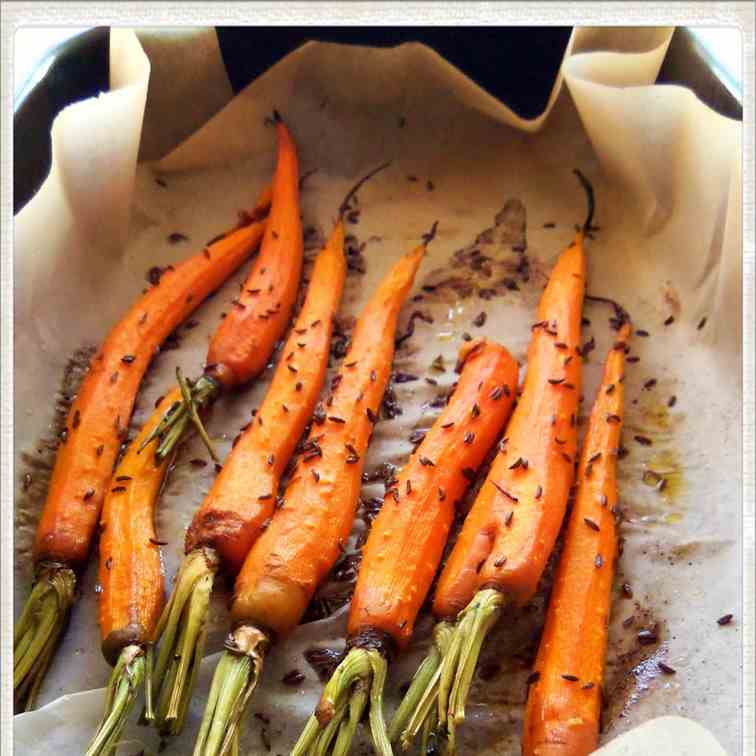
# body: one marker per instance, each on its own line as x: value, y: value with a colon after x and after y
x: 359, y: 678
x: 123, y: 688
x: 191, y: 406
x: 149, y: 666
x: 38, y: 629
x: 429, y: 736
x: 588, y: 187
x: 378, y: 729
x: 472, y: 628
x: 421, y: 682
x: 436, y: 698
x: 183, y: 629
x: 177, y: 418
x: 234, y: 682
x: 328, y: 733
x: 307, y: 738
x: 357, y: 702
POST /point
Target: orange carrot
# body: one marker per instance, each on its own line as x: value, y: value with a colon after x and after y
x: 532, y: 475
x: 510, y: 531
x: 407, y: 538
x: 243, y: 496
x: 131, y: 578
x: 304, y: 539
x: 131, y: 575
x: 564, y: 702
x: 240, y: 348
x: 96, y: 423
x: 296, y: 552
x: 245, y: 339
x: 406, y: 541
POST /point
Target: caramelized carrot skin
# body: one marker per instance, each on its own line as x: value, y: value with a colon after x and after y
x: 288, y: 561
x: 247, y: 336
x: 496, y: 549
x: 102, y: 409
x: 562, y: 716
x: 243, y: 495
x: 407, y: 538
x: 131, y: 574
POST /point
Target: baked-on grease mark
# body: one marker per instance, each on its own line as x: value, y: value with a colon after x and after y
x: 38, y: 461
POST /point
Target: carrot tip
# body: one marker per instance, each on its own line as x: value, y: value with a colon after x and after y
x: 430, y: 235
x: 305, y: 176
x: 621, y: 315
x: 591, y: 199
x: 344, y: 206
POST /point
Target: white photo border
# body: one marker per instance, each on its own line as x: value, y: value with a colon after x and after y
x: 720, y: 14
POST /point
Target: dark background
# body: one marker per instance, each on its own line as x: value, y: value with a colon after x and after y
x: 80, y: 69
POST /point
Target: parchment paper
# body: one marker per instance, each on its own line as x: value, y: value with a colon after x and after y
x: 667, y: 175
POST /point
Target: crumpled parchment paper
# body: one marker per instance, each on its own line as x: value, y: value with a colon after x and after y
x: 667, y: 176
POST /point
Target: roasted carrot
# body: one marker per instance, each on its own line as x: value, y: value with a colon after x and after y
x: 304, y: 539
x: 405, y: 545
x: 130, y: 577
x: 245, y: 339
x: 239, y: 350
x: 95, y: 426
x: 510, y: 531
x: 242, y: 498
x: 564, y: 701
x: 282, y: 571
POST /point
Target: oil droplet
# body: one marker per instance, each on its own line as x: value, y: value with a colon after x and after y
x: 665, y: 465
x: 652, y: 478
x: 445, y: 335
x: 458, y: 309
x: 655, y: 414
